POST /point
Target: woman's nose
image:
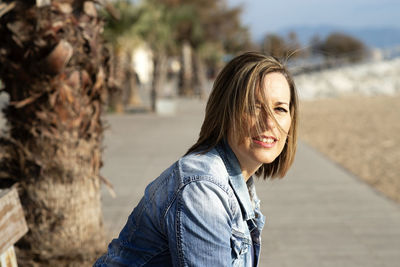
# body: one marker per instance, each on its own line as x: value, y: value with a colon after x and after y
x: 270, y: 122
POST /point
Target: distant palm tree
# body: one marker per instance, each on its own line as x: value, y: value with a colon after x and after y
x: 154, y: 26
x: 52, y: 65
x: 204, y: 30
x: 119, y: 32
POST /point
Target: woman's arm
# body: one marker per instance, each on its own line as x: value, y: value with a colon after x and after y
x: 201, y: 232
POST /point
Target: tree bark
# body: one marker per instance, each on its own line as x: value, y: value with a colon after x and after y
x: 116, y: 82
x: 54, y: 68
x: 131, y: 83
x: 186, y: 74
x: 159, y: 77
x: 200, y: 76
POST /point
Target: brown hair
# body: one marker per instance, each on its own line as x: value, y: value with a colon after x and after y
x: 234, y: 95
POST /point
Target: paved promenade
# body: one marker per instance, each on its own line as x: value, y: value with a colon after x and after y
x: 317, y: 216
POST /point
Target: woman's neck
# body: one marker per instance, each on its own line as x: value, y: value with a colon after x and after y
x: 248, y: 172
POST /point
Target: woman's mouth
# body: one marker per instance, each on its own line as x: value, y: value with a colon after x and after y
x: 265, y: 141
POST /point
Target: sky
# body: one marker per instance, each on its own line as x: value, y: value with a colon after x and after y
x: 264, y: 16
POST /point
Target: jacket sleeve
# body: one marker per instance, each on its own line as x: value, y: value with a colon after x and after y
x: 201, y: 235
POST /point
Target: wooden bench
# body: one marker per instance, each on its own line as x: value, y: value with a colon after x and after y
x: 12, y: 226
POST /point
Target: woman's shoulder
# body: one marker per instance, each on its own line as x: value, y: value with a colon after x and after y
x: 203, y: 166
x: 194, y: 167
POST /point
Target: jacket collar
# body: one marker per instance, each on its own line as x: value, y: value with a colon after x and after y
x: 236, y: 179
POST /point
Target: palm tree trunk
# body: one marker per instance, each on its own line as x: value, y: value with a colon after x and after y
x: 53, y: 66
x: 200, y: 76
x: 159, y: 77
x: 117, y: 77
x: 186, y: 74
x: 131, y: 82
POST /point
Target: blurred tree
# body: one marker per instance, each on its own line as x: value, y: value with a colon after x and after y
x: 224, y: 34
x: 293, y: 46
x: 343, y: 46
x: 283, y: 48
x: 275, y: 46
x: 205, y: 30
x: 315, y: 44
x: 154, y: 25
x: 53, y: 66
x: 146, y: 22
x: 223, y: 24
x: 120, y: 33
x: 187, y: 31
x: 199, y: 31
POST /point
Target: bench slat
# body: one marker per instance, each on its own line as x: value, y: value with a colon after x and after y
x: 12, y: 221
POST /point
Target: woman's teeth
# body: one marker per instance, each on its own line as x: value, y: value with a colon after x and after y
x: 268, y: 140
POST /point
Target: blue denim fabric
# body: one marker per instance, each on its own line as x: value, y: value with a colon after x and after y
x: 198, y: 212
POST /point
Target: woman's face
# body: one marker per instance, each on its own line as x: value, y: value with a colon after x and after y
x: 265, y: 146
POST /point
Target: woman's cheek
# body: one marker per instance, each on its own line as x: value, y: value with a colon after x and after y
x: 287, y: 120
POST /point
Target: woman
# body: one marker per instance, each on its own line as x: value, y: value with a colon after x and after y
x: 203, y: 210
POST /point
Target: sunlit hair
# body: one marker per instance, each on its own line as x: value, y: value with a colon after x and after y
x: 234, y: 98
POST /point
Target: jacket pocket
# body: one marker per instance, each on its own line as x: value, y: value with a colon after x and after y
x: 240, y: 244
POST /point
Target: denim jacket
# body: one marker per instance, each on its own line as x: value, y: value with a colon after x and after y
x: 198, y: 212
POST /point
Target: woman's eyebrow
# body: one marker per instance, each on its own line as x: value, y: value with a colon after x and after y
x: 281, y: 103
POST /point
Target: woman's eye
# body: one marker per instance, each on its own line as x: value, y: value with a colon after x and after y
x: 281, y: 109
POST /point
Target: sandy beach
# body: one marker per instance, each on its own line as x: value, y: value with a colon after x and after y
x: 360, y: 133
